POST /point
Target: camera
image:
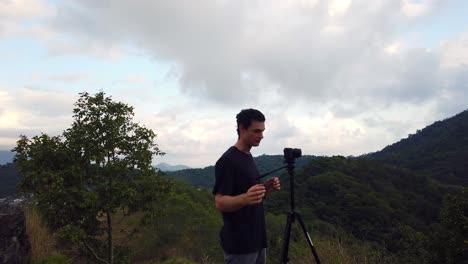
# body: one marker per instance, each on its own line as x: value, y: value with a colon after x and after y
x: 292, y: 153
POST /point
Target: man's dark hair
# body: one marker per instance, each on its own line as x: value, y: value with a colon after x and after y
x: 246, y: 116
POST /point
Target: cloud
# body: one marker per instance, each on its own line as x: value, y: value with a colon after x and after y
x: 32, y: 112
x: 417, y: 8
x: 454, y: 53
x: 24, y: 9
x: 232, y: 53
x: 333, y: 77
x: 35, y: 109
x: 243, y: 51
x: 45, y: 103
x: 32, y: 19
x: 17, y: 17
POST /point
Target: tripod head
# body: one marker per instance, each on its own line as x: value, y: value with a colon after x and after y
x: 290, y: 154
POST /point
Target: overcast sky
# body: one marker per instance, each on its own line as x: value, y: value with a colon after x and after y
x: 341, y: 77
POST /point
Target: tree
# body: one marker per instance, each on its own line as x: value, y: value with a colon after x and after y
x: 98, y: 166
x: 448, y: 243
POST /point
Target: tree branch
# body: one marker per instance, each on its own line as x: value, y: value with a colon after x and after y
x: 94, y: 253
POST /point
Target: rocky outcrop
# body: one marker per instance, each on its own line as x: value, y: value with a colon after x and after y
x: 14, y: 244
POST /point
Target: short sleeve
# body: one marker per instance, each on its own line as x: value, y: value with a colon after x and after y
x: 224, y: 177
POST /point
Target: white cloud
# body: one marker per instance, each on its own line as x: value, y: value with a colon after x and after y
x: 420, y: 8
x: 414, y: 8
x: 17, y: 17
x: 52, y: 103
x: 225, y: 50
x: 338, y: 7
x: 31, y: 112
x: 394, y: 48
x: 35, y: 109
x: 24, y: 9
x: 455, y: 53
x: 218, y: 46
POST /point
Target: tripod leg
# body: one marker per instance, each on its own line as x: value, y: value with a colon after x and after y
x: 287, y: 235
x: 309, y: 241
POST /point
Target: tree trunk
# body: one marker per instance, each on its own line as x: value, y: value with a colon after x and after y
x: 109, y: 238
x: 109, y: 219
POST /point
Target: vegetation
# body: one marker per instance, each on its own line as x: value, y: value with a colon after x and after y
x: 395, y: 209
x: 439, y: 151
x: 43, y: 244
x: 100, y: 165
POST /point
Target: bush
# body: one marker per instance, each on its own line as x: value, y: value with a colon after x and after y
x: 55, y: 259
x: 176, y: 260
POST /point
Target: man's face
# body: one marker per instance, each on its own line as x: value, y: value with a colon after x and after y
x: 254, y: 134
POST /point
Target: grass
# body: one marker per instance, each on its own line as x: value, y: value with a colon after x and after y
x: 43, y: 243
x: 172, y: 245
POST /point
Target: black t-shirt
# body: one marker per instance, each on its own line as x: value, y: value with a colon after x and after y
x: 243, y: 230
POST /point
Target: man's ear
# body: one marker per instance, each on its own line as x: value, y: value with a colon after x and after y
x: 242, y: 128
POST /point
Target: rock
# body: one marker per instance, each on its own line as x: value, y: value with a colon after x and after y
x: 14, y: 244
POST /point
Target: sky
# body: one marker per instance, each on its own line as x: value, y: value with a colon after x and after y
x: 339, y: 77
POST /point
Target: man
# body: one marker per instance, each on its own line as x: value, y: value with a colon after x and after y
x: 239, y: 195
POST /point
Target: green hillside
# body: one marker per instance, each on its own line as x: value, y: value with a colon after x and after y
x: 364, y: 197
x: 439, y: 150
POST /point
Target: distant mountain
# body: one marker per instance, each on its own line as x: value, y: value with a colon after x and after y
x: 168, y: 167
x: 9, y: 178
x: 439, y: 150
x: 6, y: 156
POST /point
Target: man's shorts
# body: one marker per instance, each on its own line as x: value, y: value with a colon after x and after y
x: 251, y: 258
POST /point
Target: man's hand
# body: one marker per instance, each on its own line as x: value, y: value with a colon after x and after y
x: 255, y: 194
x: 227, y: 203
x: 272, y: 185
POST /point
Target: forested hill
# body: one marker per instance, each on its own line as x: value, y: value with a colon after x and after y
x: 6, y: 156
x: 394, y: 208
x: 199, y: 178
x: 439, y: 150
x: 8, y: 180
x: 204, y: 178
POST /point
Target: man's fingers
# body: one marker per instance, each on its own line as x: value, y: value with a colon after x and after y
x: 256, y: 197
x: 259, y: 193
x: 258, y: 187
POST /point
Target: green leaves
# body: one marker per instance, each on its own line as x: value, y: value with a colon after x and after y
x: 101, y: 164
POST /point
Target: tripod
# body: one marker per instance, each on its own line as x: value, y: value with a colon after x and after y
x: 292, y: 216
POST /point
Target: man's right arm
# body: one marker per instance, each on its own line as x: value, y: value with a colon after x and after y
x: 227, y: 203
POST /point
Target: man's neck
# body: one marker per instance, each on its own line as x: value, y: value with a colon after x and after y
x: 243, y: 147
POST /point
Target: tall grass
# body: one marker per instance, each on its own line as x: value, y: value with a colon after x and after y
x: 43, y: 243
x: 332, y: 250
